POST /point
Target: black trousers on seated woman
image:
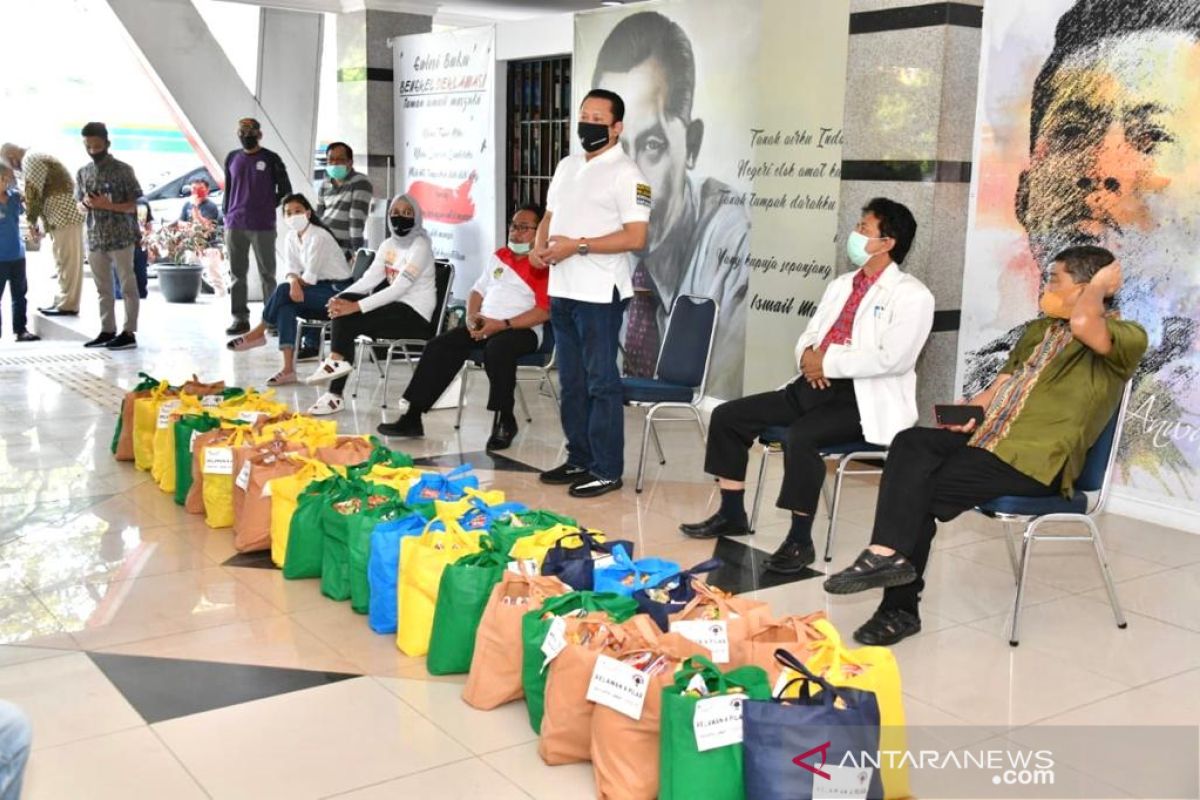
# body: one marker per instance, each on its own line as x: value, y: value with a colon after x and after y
x: 393, y: 321
x: 445, y: 356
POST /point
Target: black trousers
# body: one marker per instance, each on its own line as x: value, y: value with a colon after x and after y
x: 814, y: 418
x: 393, y: 321
x: 932, y: 474
x: 445, y: 355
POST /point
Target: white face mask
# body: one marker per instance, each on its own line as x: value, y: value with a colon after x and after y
x: 856, y: 248
x: 520, y: 248
x: 296, y: 222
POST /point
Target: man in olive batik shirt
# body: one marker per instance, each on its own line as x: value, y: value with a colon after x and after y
x: 1046, y: 408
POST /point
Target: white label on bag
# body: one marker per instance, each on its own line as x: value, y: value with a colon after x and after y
x: 164, y: 413
x: 717, y: 721
x: 843, y: 783
x: 218, y: 461
x: 618, y: 686
x: 250, y: 416
x: 526, y: 566
x: 266, y: 492
x: 243, y: 478
x: 710, y: 633
x: 192, y: 441
x: 211, y: 400
x: 603, y: 561
x: 555, y: 641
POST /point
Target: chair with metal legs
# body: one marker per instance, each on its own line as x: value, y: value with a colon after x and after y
x: 772, y: 441
x: 534, y: 367
x: 1087, y: 502
x: 679, y: 375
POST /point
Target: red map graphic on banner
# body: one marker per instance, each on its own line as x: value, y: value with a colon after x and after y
x: 453, y: 206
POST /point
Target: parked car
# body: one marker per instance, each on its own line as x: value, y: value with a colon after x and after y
x: 166, y: 200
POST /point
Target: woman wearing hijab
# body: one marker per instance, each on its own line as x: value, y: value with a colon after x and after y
x: 316, y: 270
x: 394, y: 299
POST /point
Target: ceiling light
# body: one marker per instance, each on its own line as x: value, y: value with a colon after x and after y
x: 612, y: 2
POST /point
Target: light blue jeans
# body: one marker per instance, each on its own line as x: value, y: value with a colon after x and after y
x: 15, y: 738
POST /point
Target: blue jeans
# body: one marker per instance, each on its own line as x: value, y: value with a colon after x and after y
x: 16, y: 734
x: 281, y: 311
x: 593, y: 415
x: 12, y: 276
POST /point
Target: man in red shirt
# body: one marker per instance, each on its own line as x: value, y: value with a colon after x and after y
x: 857, y: 382
x: 506, y: 315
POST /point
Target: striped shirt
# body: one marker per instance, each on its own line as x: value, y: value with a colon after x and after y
x: 343, y: 207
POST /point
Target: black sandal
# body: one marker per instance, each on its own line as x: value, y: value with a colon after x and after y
x: 872, y: 571
x: 887, y: 627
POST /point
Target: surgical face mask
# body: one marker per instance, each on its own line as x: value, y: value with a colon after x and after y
x: 249, y: 140
x: 520, y: 248
x: 200, y: 193
x: 856, y: 248
x: 592, y: 135
x: 296, y: 222
x: 401, y: 226
x: 337, y: 171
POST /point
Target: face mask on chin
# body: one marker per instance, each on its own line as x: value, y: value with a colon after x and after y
x: 592, y: 136
x: 520, y: 248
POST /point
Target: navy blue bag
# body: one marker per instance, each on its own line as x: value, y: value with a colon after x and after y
x: 670, y: 596
x: 575, y: 566
x: 790, y: 744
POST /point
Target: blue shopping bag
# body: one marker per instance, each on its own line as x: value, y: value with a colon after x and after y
x: 481, y: 516
x: 625, y: 576
x: 790, y: 746
x: 383, y: 568
x: 437, y: 486
x: 669, y: 597
x: 575, y: 566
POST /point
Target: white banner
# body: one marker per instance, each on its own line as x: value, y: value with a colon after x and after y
x: 445, y: 87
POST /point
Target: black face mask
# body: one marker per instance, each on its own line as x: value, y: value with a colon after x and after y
x: 402, y: 225
x: 98, y: 157
x: 249, y: 140
x: 592, y: 135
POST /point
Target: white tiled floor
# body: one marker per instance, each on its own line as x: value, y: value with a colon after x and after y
x: 93, y: 556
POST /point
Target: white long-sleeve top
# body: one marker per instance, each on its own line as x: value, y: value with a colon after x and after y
x: 316, y: 257
x: 409, y: 273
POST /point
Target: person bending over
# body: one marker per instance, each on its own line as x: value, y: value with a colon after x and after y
x: 316, y: 270
x: 858, y: 381
x: 506, y: 312
x: 1047, y: 407
x: 394, y: 299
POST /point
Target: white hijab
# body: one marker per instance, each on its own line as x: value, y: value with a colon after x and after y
x: 418, y: 230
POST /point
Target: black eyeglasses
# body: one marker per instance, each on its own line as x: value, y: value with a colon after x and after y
x: 522, y: 228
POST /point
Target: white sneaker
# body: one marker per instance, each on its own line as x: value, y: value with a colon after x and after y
x: 328, y: 370
x: 328, y: 403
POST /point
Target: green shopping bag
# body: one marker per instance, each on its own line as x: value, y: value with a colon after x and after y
x: 353, y: 511
x: 706, y: 765
x: 187, y: 428
x: 505, y: 534
x: 463, y: 593
x: 306, y: 533
x: 380, y: 454
x: 144, y: 385
x: 536, y: 624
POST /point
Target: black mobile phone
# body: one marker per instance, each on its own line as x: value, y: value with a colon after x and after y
x: 957, y: 415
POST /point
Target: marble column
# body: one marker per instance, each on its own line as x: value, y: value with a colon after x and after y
x: 911, y: 84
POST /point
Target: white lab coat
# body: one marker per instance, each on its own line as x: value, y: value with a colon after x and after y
x: 890, y: 328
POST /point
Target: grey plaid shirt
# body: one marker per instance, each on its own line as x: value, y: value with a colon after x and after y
x: 109, y: 230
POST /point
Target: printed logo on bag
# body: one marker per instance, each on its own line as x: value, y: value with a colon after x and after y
x: 712, y: 634
x: 211, y: 400
x: 618, y: 686
x: 164, y: 413
x: 218, y: 461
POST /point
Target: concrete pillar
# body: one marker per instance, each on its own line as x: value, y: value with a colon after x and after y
x: 289, y: 85
x: 366, y: 100
x: 911, y: 82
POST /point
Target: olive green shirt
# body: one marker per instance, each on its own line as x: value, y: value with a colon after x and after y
x: 1061, y: 395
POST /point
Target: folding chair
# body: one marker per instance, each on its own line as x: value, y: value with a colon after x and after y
x: 772, y: 441
x: 1087, y: 502
x: 536, y: 367
x: 362, y: 261
x: 679, y: 375
x: 367, y: 346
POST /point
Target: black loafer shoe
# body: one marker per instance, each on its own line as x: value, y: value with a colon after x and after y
x: 57, y: 312
x: 791, y: 558
x: 563, y: 475
x: 888, y: 626
x: 591, y: 486
x: 872, y: 571
x: 237, y: 327
x: 502, y: 436
x: 403, y: 428
x: 714, y: 526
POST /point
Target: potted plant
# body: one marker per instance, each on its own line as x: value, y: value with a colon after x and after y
x: 176, y: 249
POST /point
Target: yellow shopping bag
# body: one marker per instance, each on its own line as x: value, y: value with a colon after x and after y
x: 422, y: 561
x: 145, y: 423
x: 454, y: 509
x: 251, y: 406
x: 871, y: 669
x: 216, y: 468
x: 399, y: 478
x: 162, y: 468
x: 534, y: 547
x: 285, y: 494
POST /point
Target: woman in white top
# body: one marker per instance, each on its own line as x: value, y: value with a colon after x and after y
x: 316, y: 270
x: 394, y: 299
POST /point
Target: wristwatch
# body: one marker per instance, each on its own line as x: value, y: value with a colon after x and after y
x: 583, y: 247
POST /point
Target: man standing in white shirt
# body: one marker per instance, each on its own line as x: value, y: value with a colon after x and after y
x: 597, y: 215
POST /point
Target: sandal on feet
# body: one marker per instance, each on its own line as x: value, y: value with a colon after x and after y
x: 872, y: 571
x: 887, y: 627
x: 328, y: 403
x: 281, y: 378
x: 328, y: 370
x: 243, y: 343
